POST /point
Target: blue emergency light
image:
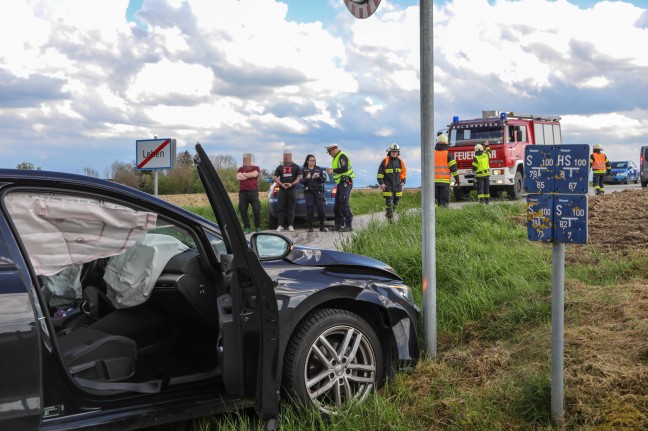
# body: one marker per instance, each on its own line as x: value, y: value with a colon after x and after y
x: 455, y: 119
x: 503, y: 116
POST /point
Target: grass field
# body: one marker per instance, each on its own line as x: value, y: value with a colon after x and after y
x: 493, y: 367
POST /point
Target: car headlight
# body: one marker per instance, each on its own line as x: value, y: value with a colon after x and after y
x: 498, y: 172
x: 404, y: 291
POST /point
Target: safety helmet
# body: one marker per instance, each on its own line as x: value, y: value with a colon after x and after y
x: 598, y: 146
x: 442, y: 139
x: 393, y: 147
x: 478, y: 147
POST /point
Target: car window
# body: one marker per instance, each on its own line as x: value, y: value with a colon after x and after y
x: 62, y: 233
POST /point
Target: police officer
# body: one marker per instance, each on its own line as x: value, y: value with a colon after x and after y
x: 600, y: 165
x: 481, y: 168
x: 313, y: 178
x: 391, y: 178
x: 287, y: 176
x: 343, y: 174
x: 445, y: 167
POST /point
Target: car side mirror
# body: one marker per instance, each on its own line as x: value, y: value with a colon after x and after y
x: 270, y: 246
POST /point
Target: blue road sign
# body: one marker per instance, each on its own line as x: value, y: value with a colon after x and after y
x: 540, y: 217
x: 571, y: 169
x: 538, y: 168
x: 570, y: 219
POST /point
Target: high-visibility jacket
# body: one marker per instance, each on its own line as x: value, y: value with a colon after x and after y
x: 599, y: 163
x: 392, y: 172
x: 481, y: 165
x: 337, y: 176
x: 445, y: 166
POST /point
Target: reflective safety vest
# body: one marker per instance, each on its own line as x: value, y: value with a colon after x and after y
x: 441, y: 168
x: 336, y: 165
x: 482, y: 165
x: 599, y: 165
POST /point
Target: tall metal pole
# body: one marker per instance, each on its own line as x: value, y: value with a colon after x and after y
x: 427, y: 180
x: 557, y: 331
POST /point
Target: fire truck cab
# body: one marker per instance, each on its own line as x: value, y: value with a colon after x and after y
x: 507, y: 133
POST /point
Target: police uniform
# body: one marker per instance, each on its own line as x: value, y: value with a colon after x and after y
x: 314, y: 194
x: 343, y: 175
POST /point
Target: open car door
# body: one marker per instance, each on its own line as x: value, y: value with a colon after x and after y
x: 249, y: 332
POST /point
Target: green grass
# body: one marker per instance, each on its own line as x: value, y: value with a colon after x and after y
x: 493, y: 367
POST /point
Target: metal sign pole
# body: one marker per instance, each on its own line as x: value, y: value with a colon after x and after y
x: 427, y: 180
x: 557, y: 331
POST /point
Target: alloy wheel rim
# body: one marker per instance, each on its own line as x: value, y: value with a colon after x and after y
x: 340, y: 368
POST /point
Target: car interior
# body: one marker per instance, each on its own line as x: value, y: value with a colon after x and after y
x: 133, y: 303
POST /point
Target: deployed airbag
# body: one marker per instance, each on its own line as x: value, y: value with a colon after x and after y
x: 60, y: 230
x: 131, y: 276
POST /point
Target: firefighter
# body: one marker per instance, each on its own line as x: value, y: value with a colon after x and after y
x: 600, y: 166
x: 481, y: 168
x: 313, y: 179
x: 445, y: 168
x: 391, y: 177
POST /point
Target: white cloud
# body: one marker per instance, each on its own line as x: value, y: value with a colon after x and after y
x: 237, y: 72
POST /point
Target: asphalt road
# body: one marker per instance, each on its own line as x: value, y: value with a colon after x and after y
x: 333, y: 240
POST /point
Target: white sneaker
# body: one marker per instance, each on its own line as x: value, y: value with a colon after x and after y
x: 280, y: 228
x: 290, y: 229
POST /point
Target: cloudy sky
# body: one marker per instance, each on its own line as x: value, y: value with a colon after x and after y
x: 81, y: 81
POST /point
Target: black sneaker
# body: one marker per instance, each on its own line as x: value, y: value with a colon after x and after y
x: 310, y: 229
x: 337, y: 228
x: 347, y: 228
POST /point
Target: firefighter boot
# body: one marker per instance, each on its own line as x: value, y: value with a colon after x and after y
x: 322, y: 228
x: 310, y: 227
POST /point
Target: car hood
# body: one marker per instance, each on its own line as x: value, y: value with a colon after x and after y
x: 617, y: 171
x: 307, y: 256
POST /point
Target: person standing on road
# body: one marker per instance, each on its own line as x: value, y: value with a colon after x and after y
x: 248, y: 177
x: 391, y: 178
x: 287, y: 176
x: 313, y: 179
x: 600, y: 166
x: 343, y: 174
x: 481, y: 168
x: 445, y: 168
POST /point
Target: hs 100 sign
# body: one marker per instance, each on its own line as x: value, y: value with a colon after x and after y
x: 556, y: 169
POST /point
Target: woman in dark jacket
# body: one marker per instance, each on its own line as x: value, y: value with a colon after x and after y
x: 313, y: 179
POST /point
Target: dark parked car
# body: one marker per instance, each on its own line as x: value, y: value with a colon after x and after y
x: 622, y: 172
x: 330, y: 188
x: 120, y: 311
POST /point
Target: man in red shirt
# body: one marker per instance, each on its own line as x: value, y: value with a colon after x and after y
x: 248, y: 176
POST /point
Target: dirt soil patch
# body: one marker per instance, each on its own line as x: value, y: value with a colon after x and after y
x: 618, y: 221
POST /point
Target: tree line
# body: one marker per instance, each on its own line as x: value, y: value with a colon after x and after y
x: 182, y: 179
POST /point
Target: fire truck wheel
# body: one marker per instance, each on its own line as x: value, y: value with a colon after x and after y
x: 496, y: 194
x: 515, y: 191
x: 462, y: 193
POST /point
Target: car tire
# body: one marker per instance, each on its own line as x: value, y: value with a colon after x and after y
x: 514, y: 192
x: 462, y: 193
x: 335, y: 377
x: 273, y: 222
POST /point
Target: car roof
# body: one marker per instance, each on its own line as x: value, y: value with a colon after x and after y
x: 37, y: 178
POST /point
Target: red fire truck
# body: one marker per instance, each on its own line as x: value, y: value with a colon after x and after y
x: 507, y: 133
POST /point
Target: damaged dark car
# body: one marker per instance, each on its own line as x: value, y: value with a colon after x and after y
x: 119, y: 310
